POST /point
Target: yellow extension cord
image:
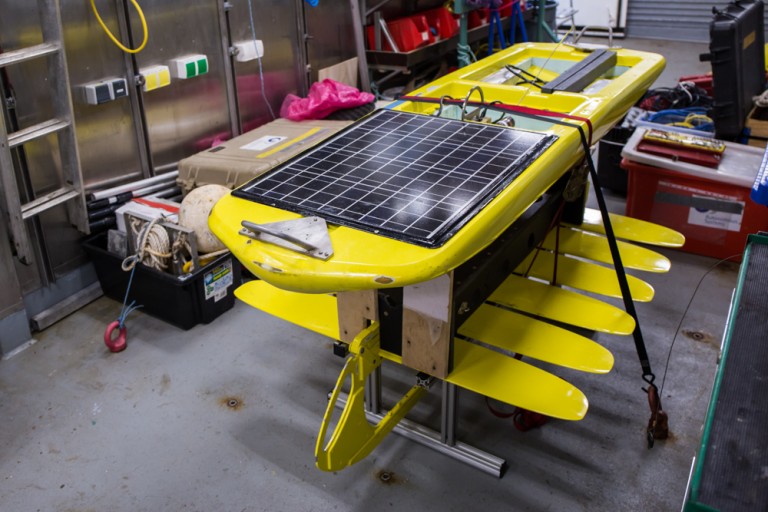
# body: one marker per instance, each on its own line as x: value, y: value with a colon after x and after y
x: 693, y: 120
x: 114, y: 39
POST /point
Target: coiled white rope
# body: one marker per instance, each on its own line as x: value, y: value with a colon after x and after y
x: 153, y: 246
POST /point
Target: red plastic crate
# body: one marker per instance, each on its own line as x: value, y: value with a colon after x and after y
x: 704, y: 210
x: 442, y: 21
x: 702, y: 81
x: 505, y: 10
x: 425, y: 32
x: 476, y: 18
x: 408, y: 33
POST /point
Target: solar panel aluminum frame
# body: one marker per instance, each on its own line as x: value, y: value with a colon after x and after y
x: 444, y: 134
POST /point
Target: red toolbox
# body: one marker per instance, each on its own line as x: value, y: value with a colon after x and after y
x: 715, y: 217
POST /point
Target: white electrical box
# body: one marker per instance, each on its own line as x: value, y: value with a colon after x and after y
x: 106, y: 90
x: 188, y: 66
x: 249, y: 50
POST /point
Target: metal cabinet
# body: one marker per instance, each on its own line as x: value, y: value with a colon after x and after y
x: 144, y: 132
x: 279, y: 25
x: 189, y: 114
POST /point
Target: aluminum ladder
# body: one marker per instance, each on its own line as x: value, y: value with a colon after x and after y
x: 71, y: 189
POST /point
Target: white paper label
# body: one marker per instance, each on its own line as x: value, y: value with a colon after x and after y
x: 263, y: 143
x: 716, y: 219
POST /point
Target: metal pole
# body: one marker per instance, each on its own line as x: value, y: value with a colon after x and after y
x: 373, y: 391
x: 448, y: 415
x: 136, y: 185
x: 362, y: 62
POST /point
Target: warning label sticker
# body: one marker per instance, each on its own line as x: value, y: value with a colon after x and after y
x: 218, y: 280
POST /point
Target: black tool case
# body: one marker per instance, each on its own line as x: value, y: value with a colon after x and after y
x: 736, y: 52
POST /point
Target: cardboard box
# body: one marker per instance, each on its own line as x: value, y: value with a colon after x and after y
x: 238, y: 160
x: 757, y: 124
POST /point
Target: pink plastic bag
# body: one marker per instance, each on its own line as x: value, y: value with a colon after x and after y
x: 324, y: 98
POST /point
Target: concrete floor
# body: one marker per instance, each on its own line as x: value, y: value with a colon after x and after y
x: 149, y: 429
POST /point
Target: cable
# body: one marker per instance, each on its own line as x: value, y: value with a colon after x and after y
x: 534, y: 82
x: 114, y: 39
x: 683, y: 95
x: 258, y: 57
x: 691, y: 117
x: 762, y: 100
x: 127, y: 308
x: 685, y: 312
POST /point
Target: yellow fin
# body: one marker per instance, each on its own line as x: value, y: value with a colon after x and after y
x: 562, y: 305
x: 634, y: 230
x: 595, y: 247
x: 536, y: 339
x: 514, y: 382
x: 583, y: 275
x: 316, y: 312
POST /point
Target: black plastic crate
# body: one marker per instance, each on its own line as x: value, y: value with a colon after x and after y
x: 198, y: 297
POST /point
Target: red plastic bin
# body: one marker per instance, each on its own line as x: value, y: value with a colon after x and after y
x: 476, y: 18
x: 701, y: 81
x: 505, y: 10
x: 715, y: 217
x: 442, y: 21
x: 408, y: 33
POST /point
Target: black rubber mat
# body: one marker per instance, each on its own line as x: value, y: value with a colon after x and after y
x: 735, y: 467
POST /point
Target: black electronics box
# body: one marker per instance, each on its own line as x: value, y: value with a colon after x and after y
x: 736, y: 52
x: 609, y: 170
x: 184, y: 301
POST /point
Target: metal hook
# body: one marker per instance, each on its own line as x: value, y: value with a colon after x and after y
x: 440, y: 109
x: 466, y: 100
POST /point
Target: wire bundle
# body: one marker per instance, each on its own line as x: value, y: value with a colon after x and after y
x: 684, y: 95
x: 693, y: 118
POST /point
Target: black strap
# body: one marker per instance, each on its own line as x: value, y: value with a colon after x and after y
x: 629, y: 304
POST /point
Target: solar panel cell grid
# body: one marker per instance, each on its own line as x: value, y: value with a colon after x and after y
x: 407, y: 176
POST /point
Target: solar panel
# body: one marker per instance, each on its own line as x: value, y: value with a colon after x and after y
x: 407, y: 176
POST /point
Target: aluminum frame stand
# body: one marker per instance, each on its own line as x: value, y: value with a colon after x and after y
x: 443, y: 442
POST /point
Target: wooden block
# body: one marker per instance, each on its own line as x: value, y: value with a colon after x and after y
x: 427, y: 326
x: 356, y: 311
x: 757, y: 122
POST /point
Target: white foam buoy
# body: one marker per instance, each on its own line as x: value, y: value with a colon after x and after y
x: 194, y: 212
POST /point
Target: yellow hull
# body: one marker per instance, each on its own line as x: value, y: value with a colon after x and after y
x: 364, y: 260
